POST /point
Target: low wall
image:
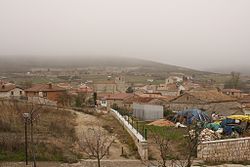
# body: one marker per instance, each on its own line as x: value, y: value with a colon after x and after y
x: 225, y: 150
x: 140, y: 142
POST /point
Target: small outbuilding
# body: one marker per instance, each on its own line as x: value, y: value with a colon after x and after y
x: 147, y: 112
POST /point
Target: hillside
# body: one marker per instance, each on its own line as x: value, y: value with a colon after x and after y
x: 54, y: 134
x: 57, y: 133
x: 26, y: 63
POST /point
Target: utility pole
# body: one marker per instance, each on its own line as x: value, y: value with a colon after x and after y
x: 26, y: 117
x: 32, y: 141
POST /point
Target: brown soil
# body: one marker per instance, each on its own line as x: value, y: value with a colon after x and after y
x: 110, y: 125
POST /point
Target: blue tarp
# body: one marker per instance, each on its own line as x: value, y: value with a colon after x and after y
x: 194, y: 114
x: 229, y: 125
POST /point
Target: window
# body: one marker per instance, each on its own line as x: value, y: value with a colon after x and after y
x: 187, y: 98
x: 44, y: 94
x: 21, y: 92
x: 12, y: 93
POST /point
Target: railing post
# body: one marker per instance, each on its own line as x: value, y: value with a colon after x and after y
x: 146, y: 134
x: 137, y: 127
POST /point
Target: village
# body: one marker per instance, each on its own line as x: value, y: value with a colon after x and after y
x: 177, y: 103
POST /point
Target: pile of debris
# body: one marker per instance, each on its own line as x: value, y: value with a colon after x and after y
x: 162, y: 122
x: 209, y: 135
x: 211, y: 129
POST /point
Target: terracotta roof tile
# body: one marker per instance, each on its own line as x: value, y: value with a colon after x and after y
x: 137, y: 99
x: 245, y: 99
x: 118, y: 96
x: 45, y: 88
x: 211, y: 96
x: 7, y: 87
x: 84, y: 89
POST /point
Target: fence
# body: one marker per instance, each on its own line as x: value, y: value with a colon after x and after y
x: 225, y: 150
x: 139, y: 140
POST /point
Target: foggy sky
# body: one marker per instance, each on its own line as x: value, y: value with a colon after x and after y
x: 201, y: 34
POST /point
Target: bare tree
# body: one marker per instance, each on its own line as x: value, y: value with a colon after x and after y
x: 192, y: 142
x: 96, y: 143
x: 65, y: 100
x: 162, y: 142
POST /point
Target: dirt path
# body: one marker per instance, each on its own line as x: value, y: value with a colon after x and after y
x: 85, y: 121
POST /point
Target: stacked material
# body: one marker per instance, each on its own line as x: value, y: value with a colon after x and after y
x: 209, y: 135
x: 162, y: 122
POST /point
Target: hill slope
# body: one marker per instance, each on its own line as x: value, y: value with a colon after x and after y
x: 26, y: 63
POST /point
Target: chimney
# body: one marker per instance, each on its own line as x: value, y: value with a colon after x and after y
x: 50, y: 85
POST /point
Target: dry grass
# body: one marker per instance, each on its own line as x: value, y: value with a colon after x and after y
x: 54, y: 134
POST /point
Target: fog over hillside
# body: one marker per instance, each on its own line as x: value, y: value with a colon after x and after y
x: 25, y: 63
x: 203, y: 35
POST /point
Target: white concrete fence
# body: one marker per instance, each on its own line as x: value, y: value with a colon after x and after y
x: 140, y: 141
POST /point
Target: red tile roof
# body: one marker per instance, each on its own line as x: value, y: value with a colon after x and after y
x: 137, y: 99
x: 103, y: 94
x: 158, y: 96
x: 245, y: 99
x: 211, y: 96
x: 7, y: 87
x: 45, y: 88
x: 118, y: 96
x: 84, y: 89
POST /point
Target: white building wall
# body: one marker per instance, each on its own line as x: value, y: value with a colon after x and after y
x: 16, y: 93
x: 147, y: 112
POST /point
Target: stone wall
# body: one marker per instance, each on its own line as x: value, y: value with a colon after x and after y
x: 225, y: 150
x: 223, y: 108
x: 140, y: 142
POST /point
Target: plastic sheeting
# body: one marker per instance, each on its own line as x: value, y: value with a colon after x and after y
x: 244, y: 118
x: 193, y: 114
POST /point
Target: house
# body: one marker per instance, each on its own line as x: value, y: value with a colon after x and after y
x: 117, y: 99
x: 232, y: 92
x: 48, y: 91
x: 147, y: 112
x: 170, y: 89
x: 8, y: 90
x: 83, y: 88
x: 147, y: 98
x: 188, y: 85
x: 138, y: 87
x: 173, y: 80
x: 128, y: 102
x: 148, y: 89
x: 110, y: 86
x: 208, y: 100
